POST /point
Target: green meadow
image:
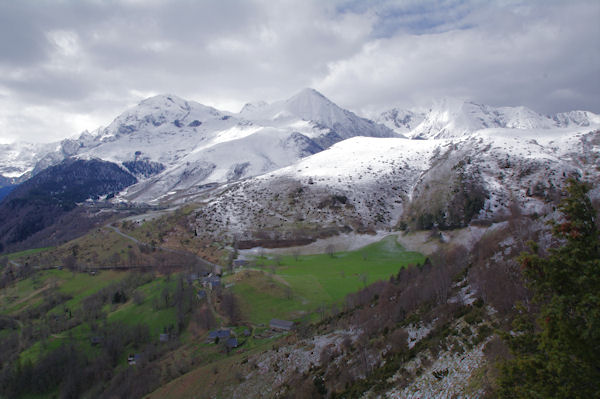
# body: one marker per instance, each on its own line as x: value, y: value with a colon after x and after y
x: 291, y: 286
x: 144, y: 312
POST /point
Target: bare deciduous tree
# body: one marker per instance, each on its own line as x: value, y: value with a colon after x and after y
x: 203, y: 319
x: 230, y: 307
x: 330, y: 250
x: 296, y: 254
x: 70, y: 263
x: 363, y: 277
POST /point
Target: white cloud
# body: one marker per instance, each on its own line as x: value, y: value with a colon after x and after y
x: 72, y: 65
x: 517, y: 60
x: 66, y: 42
x: 157, y: 46
x: 39, y: 122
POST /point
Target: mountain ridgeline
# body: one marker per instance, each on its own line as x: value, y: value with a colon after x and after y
x: 174, y: 146
x: 470, y: 163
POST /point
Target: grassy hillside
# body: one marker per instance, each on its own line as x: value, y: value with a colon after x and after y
x: 54, y: 313
x: 27, y: 294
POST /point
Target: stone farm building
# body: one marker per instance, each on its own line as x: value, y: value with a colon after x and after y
x: 215, y: 335
x: 277, y: 324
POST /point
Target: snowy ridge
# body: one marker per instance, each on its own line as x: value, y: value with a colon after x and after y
x: 363, y: 156
x: 576, y: 118
x: 451, y: 118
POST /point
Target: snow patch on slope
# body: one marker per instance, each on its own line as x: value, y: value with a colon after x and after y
x: 363, y: 156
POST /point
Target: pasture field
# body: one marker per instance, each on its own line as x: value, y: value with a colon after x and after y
x: 291, y: 286
x: 144, y: 312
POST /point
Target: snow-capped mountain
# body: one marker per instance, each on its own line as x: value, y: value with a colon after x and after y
x: 177, y: 148
x: 173, y: 146
x: 457, y: 118
x: 17, y: 160
x: 259, y: 139
x: 310, y: 105
x: 306, y: 167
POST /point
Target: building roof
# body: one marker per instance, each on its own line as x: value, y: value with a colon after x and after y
x: 212, y: 279
x: 281, y: 324
x: 219, y: 334
x: 232, y: 342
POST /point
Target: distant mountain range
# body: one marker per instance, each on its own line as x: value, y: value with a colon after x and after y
x: 465, y: 162
x: 455, y: 118
x: 191, y: 145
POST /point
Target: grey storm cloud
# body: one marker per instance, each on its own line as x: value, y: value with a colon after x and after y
x: 73, y: 65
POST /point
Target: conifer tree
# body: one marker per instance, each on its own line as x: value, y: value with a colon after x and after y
x: 557, y: 352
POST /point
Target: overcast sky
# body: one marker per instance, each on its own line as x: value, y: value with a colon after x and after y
x: 66, y: 66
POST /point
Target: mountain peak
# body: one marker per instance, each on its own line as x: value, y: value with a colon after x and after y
x: 309, y: 94
x: 164, y: 101
x: 309, y: 104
